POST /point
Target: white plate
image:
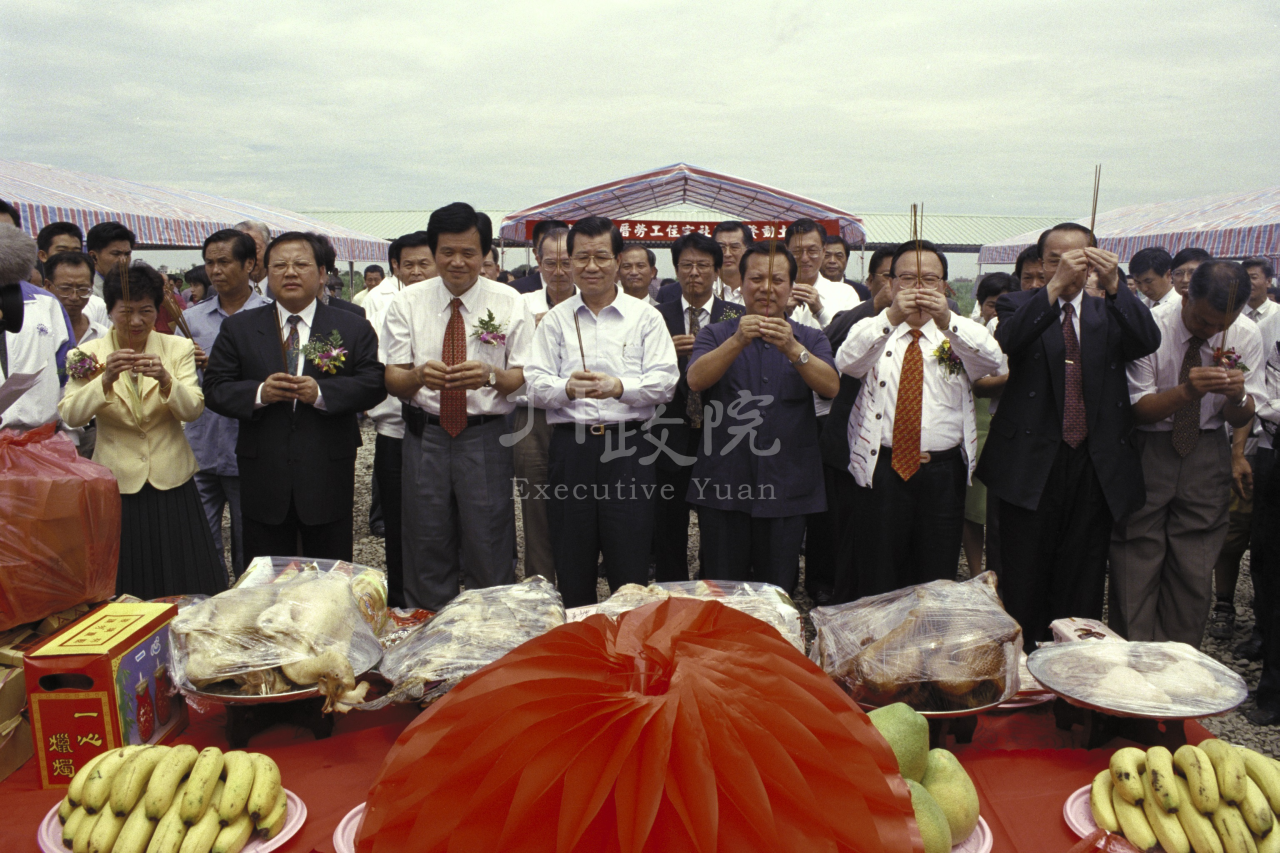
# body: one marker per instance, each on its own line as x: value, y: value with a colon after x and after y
x: 344, y: 837
x: 49, y: 835
x: 1079, y: 815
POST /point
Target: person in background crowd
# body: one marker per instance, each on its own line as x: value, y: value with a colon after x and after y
x: 330, y: 294
x: 697, y: 261
x: 734, y: 238
x: 229, y: 257
x: 490, y: 268
x: 108, y: 243
x: 1058, y: 458
x: 637, y: 268
x: 410, y: 257
x: 753, y: 496
x: 1261, y: 275
x: 531, y: 452
x: 455, y: 386
x: 535, y: 279
x: 198, y: 284
x: 13, y: 214
x: 813, y: 294
x: 1183, y: 394
x: 142, y: 388
x: 913, y: 432
x: 67, y: 237
x: 261, y: 235
x: 506, y: 277
x: 296, y: 448
x: 69, y: 277
x: 1152, y: 269
x: 1264, y: 545
x: 41, y: 346
x: 373, y: 275
x: 1029, y: 269
x: 601, y: 364
x: 989, y: 290
x: 1184, y: 266
x: 835, y: 259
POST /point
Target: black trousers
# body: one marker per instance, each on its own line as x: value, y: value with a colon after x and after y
x: 909, y: 531
x: 738, y: 547
x: 388, y: 454
x: 821, y: 537
x: 1053, y: 559
x: 292, y: 538
x: 671, y: 516
x: 1264, y: 565
x: 844, y: 581
x: 601, y: 502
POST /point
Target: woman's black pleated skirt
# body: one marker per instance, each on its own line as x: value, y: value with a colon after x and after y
x: 166, y: 547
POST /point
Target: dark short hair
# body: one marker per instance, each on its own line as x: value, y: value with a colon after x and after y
x: 1216, y: 281
x: 596, y: 226
x: 56, y: 229
x: 1268, y: 271
x: 393, y: 251
x: 734, y: 225
x: 994, y: 284
x: 550, y: 234
x: 318, y: 249
x: 925, y: 246
x: 458, y: 218
x: 1154, y: 259
x: 878, y: 257
x: 144, y: 283
x: 832, y: 239
x: 804, y: 225
x: 1031, y: 254
x: 764, y: 248
x: 375, y: 268
x: 542, y: 226
x: 648, y: 253
x: 1191, y: 254
x: 1065, y: 226
x: 105, y: 233
x: 700, y: 243
x: 67, y: 259
x: 493, y: 250
x: 199, y: 275
x: 6, y: 208
x: 412, y: 240
x: 330, y: 259
x: 242, y: 246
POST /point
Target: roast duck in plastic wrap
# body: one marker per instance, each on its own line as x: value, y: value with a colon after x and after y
x: 301, y: 633
x: 940, y: 646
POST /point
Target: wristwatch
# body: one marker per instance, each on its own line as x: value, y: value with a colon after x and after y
x: 802, y: 359
x: 493, y: 380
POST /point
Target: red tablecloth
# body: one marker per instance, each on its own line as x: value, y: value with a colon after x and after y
x: 1023, y: 767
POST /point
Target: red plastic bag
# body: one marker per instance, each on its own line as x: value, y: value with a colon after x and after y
x: 682, y: 726
x: 59, y: 527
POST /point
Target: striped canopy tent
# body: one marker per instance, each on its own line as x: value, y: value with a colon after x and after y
x: 683, y: 184
x: 161, y: 218
x: 1244, y: 225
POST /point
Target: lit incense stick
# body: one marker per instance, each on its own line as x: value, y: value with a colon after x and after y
x: 1093, y: 215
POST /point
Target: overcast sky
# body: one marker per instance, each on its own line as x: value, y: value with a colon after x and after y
x: 974, y: 107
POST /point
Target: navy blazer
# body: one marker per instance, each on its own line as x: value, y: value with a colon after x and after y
x: 1027, y: 427
x: 335, y: 302
x: 669, y: 292
x: 287, y: 453
x: 529, y: 283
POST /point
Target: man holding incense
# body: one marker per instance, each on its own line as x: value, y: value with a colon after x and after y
x: 1209, y: 371
x: 913, y: 433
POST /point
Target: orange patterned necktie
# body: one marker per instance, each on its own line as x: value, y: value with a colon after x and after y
x: 906, y: 416
x: 453, y: 403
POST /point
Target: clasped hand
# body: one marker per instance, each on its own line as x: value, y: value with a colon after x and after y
x: 140, y: 363
x: 910, y: 301
x: 1074, y: 266
x: 590, y: 385
x: 281, y: 387
x: 771, y: 330
x: 466, y: 375
x: 1216, y: 380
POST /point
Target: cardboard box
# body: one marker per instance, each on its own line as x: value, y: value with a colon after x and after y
x: 13, y: 693
x: 15, y: 745
x: 99, y: 683
x: 14, y: 645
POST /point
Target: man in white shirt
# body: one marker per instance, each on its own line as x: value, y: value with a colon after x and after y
x: 637, y: 268
x: 108, y: 243
x: 824, y: 299
x: 1183, y: 395
x: 69, y: 277
x: 1152, y: 270
x: 913, y: 433
x: 1184, y: 266
x: 601, y: 364
x: 373, y: 276
x: 261, y: 235
x: 456, y: 346
x: 1261, y: 276
x: 59, y: 237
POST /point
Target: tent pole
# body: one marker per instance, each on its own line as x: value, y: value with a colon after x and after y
x: 351, y: 279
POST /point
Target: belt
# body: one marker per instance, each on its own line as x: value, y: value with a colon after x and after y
x: 927, y: 456
x: 416, y: 420
x: 601, y: 429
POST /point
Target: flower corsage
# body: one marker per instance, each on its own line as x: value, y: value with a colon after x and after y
x: 730, y: 312
x: 1230, y: 359
x: 948, y: 360
x: 81, y: 364
x: 489, y: 331
x: 329, y: 356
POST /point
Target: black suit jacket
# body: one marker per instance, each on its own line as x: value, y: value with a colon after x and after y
x: 1027, y: 428
x: 669, y: 292
x: 834, y: 441
x: 678, y: 435
x: 297, y: 453
x: 861, y: 289
x: 335, y: 302
x: 529, y: 283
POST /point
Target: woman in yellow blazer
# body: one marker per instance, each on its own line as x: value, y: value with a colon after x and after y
x: 141, y: 385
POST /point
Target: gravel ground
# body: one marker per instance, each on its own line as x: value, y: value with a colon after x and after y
x: 1233, y: 726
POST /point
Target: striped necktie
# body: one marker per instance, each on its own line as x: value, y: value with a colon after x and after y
x: 906, y: 416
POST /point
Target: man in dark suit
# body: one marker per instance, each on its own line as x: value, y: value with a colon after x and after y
x: 1059, y: 455
x: 533, y: 281
x: 298, y: 434
x: 835, y: 258
x: 697, y: 259
x: 334, y: 301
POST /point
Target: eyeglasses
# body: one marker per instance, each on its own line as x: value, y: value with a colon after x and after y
x: 549, y: 264
x: 65, y: 290
x: 689, y: 266
x: 810, y: 252
x: 600, y: 259
x: 911, y: 278
x: 285, y: 266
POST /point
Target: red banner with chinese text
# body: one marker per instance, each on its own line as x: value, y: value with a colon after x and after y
x: 646, y: 230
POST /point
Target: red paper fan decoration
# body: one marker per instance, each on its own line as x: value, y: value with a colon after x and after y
x: 683, y: 726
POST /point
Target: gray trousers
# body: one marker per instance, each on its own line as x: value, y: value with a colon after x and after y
x: 216, y: 492
x: 457, y: 503
x: 1162, y: 556
x: 530, y: 459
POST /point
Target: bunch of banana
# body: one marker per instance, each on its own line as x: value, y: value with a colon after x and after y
x: 160, y: 799
x: 1215, y: 798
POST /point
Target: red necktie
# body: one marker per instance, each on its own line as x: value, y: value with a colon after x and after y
x: 906, y: 416
x: 453, y: 403
x: 1074, y: 424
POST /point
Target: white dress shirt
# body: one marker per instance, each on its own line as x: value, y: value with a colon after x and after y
x: 536, y: 300
x: 703, y: 313
x: 1269, y: 411
x: 386, y: 416
x: 1262, y: 312
x: 627, y: 339
x: 724, y: 292
x: 96, y: 311
x: 1160, y: 371
x: 836, y: 296
x: 414, y: 326
x: 873, y: 352
x: 1170, y: 298
x: 306, y: 317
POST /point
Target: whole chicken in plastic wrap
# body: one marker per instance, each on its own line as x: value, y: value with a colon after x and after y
x: 264, y: 640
